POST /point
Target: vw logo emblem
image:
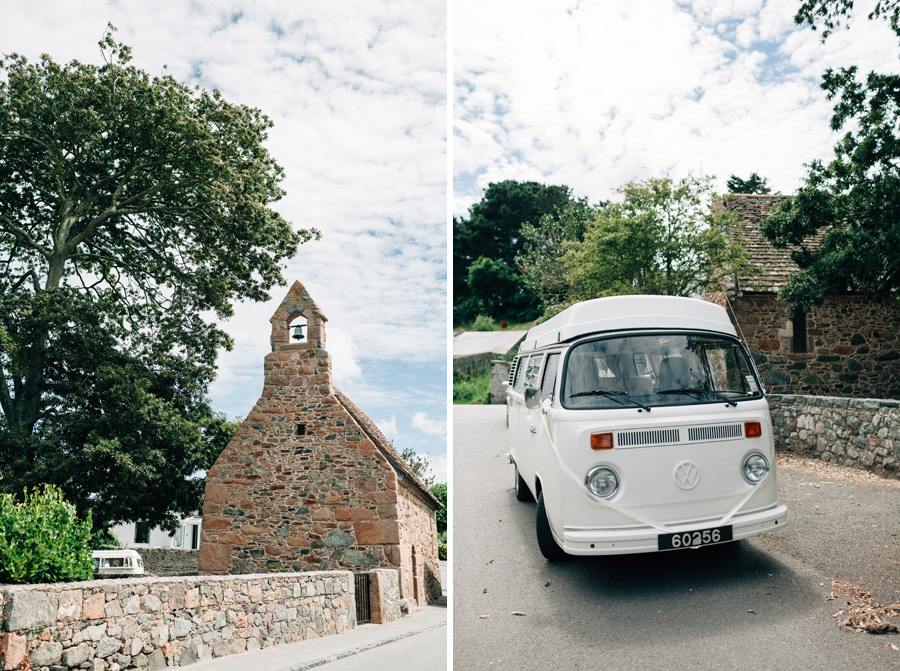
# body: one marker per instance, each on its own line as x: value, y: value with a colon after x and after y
x: 687, y: 475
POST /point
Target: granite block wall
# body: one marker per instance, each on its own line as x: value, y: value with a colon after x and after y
x: 168, y: 561
x: 154, y: 623
x: 864, y: 433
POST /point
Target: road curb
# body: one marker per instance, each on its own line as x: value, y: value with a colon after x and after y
x: 362, y: 648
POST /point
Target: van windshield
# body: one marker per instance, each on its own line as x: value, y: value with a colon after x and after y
x: 657, y: 369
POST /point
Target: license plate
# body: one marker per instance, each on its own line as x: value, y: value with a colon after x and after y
x: 694, y: 539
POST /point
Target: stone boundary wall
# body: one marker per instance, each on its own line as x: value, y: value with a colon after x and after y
x: 152, y: 623
x: 472, y: 364
x: 165, y: 562
x: 859, y: 432
x: 499, y: 375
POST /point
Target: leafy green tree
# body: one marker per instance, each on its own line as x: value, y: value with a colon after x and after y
x: 440, y: 492
x: 845, y: 220
x: 545, y: 244
x: 131, y: 208
x: 421, y: 465
x: 831, y: 14
x: 499, y: 290
x: 492, y: 232
x: 754, y: 184
x: 663, y: 238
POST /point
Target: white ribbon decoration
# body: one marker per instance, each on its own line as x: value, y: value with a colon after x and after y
x: 630, y: 513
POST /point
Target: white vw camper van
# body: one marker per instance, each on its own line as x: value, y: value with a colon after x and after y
x: 639, y: 424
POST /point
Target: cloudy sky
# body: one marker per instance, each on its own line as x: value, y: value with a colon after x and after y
x: 357, y: 92
x: 595, y: 94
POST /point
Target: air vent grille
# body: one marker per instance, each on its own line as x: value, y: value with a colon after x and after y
x: 512, y: 371
x: 721, y: 432
x: 648, y: 437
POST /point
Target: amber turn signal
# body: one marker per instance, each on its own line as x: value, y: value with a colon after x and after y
x: 602, y: 441
x: 752, y: 429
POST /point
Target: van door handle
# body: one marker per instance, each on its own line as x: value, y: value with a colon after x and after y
x: 533, y: 429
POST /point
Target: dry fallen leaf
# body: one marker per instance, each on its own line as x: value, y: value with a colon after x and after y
x: 518, y: 612
x: 893, y: 647
x: 483, y: 617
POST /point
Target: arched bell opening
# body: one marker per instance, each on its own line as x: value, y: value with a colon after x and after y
x: 298, y: 331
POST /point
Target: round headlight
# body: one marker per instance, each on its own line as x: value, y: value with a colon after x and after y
x: 755, y: 467
x: 602, y: 481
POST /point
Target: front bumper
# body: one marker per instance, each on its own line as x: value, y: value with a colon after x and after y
x: 642, y: 538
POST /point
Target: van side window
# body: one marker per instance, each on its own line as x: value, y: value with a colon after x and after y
x: 533, y: 371
x: 519, y: 383
x: 550, y: 375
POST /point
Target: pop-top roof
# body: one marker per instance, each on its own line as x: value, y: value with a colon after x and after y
x: 621, y: 313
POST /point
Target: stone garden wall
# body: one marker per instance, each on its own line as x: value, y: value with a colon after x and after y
x: 853, y: 345
x: 152, y: 623
x: 864, y: 433
x: 168, y: 561
x: 472, y: 364
x: 499, y: 375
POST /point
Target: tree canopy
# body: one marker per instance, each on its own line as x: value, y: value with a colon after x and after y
x: 133, y: 209
x: 831, y: 14
x: 544, y: 246
x: 845, y: 219
x: 663, y: 238
x: 753, y: 184
x: 490, y: 239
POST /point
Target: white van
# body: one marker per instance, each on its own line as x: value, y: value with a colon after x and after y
x: 639, y: 424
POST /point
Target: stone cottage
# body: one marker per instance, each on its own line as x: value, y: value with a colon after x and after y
x: 850, y: 346
x: 309, y: 482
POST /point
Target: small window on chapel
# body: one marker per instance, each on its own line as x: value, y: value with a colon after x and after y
x: 798, y: 342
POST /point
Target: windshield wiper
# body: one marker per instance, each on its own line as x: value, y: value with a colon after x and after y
x: 696, y: 391
x: 611, y: 394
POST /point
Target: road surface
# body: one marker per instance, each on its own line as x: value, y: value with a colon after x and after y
x: 764, y: 603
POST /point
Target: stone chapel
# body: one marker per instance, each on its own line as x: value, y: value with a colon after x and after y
x: 309, y: 482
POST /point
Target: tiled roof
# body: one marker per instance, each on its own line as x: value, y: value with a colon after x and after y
x: 775, y: 264
x: 384, y: 446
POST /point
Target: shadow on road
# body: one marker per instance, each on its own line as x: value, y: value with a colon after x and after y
x: 662, y: 596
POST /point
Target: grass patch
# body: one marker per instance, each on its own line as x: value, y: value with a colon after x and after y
x: 483, y: 326
x: 469, y: 389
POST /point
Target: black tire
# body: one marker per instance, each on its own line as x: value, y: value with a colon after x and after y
x: 522, y: 491
x: 546, y: 542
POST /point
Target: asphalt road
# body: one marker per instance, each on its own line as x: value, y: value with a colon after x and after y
x: 763, y: 603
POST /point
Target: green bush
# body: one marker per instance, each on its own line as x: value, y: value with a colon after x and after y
x: 472, y: 388
x: 442, y: 551
x: 42, y: 540
x: 483, y: 323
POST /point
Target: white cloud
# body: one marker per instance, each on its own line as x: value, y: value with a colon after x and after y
x: 433, y: 427
x: 388, y: 428
x: 356, y: 91
x: 593, y: 95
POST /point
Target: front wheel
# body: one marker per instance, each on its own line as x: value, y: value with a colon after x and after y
x: 522, y: 491
x: 546, y: 542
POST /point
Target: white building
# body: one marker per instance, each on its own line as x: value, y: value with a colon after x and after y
x: 141, y: 535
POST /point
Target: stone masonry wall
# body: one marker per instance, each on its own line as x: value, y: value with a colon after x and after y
x: 499, y: 375
x: 419, y: 531
x: 152, y: 623
x: 853, y: 346
x: 300, y: 486
x: 169, y: 561
x: 864, y: 433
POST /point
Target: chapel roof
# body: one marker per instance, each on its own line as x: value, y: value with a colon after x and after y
x: 775, y: 264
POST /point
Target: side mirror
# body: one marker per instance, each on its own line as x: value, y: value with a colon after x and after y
x: 532, y: 397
